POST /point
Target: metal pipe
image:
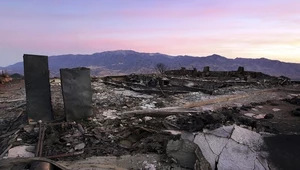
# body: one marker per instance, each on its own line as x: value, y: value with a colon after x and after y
x: 6, y: 150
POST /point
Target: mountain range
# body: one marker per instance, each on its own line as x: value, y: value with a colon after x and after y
x: 128, y: 61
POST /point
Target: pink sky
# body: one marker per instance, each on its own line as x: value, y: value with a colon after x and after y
x: 235, y: 28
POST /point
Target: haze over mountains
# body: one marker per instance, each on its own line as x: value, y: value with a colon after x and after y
x: 127, y: 62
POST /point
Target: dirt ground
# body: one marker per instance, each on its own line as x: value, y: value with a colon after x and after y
x: 131, y: 123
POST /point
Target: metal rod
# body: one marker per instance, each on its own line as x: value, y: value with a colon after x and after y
x: 4, y: 152
x: 39, y: 139
x: 61, y: 123
x: 42, y: 142
x: 65, y: 155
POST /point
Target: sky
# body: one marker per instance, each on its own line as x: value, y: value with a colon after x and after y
x: 231, y: 28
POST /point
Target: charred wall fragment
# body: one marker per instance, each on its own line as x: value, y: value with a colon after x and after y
x: 222, y: 75
x: 183, y: 71
x: 77, y: 93
x: 38, y: 96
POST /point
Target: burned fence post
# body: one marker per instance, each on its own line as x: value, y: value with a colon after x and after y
x: 241, y: 70
x: 38, y: 95
x: 206, y: 69
x: 77, y: 93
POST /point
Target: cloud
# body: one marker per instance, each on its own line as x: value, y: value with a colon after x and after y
x: 220, y: 9
x: 233, y: 28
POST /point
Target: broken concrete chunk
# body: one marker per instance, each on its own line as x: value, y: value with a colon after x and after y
x: 236, y: 157
x: 232, y: 147
x: 125, y: 144
x: 79, y: 146
x: 205, y: 149
x: 148, y: 166
x: 146, y: 106
x: 201, y: 162
x: 247, y: 137
x: 183, y: 151
x: 173, y: 132
x: 21, y: 151
x: 28, y: 128
x: 224, y: 131
x: 110, y: 114
x: 211, y: 146
x: 130, y: 93
x: 276, y: 110
x: 171, y: 118
x: 249, y: 114
x: 216, y: 144
x: 187, y: 136
x: 208, y: 108
x: 30, y: 149
x: 259, y: 116
x: 147, y: 118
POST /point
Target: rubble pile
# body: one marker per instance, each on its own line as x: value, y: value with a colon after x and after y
x: 129, y: 134
x: 185, y: 81
x: 4, y: 78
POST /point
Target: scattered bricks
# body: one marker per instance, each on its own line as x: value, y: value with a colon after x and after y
x: 38, y: 96
x: 77, y: 93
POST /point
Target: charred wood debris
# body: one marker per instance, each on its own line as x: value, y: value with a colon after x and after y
x: 128, y: 114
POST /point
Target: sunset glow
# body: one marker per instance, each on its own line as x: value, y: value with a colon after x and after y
x: 233, y: 28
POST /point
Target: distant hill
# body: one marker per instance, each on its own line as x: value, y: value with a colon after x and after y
x: 127, y: 62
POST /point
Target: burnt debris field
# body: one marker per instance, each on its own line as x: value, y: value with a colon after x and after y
x: 177, y: 119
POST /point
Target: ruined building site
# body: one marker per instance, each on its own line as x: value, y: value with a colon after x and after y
x: 170, y: 120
